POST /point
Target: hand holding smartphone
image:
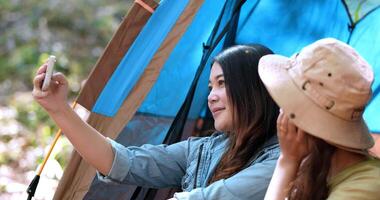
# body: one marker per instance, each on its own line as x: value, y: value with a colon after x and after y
x: 49, y: 72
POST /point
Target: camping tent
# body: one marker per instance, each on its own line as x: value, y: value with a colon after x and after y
x: 150, y: 84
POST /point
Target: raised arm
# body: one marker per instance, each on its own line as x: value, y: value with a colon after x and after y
x: 153, y: 166
x: 90, y: 144
x: 294, y: 148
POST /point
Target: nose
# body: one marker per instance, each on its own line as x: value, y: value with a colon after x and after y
x: 212, y: 97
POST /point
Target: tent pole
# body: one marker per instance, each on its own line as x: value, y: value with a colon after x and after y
x: 33, y: 185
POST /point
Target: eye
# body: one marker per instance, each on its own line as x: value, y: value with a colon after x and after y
x: 221, y: 82
x: 209, y: 88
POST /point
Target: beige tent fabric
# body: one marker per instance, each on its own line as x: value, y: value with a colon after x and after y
x: 123, y: 38
x: 78, y: 174
x: 152, y: 71
x: 103, y: 69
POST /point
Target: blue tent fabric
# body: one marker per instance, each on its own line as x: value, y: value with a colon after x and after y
x: 268, y: 28
x: 167, y: 95
x: 287, y: 26
x: 366, y: 40
x: 138, y: 57
x: 152, y: 128
x: 283, y: 28
x: 217, y: 35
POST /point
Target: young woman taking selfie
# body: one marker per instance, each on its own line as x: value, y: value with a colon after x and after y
x: 236, y: 162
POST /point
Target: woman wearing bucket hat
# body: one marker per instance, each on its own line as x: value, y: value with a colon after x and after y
x: 324, y: 140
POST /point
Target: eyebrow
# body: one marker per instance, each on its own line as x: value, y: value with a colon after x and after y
x: 216, y: 77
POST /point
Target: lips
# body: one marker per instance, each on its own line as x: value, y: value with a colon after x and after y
x: 216, y: 110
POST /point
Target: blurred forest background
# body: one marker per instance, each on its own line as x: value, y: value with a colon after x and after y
x: 76, y: 32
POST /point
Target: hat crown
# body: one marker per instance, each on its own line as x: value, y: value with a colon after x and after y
x: 334, y: 77
x: 324, y: 90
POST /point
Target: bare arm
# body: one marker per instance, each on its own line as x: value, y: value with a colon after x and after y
x: 90, y: 144
x: 294, y: 147
x: 283, y: 175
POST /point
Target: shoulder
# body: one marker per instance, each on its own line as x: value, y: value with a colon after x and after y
x: 217, y: 137
x: 364, y: 171
x: 209, y: 143
x: 361, y: 181
x: 269, y: 152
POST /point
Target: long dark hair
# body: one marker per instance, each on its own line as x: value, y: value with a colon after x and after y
x: 311, y: 179
x: 254, y: 111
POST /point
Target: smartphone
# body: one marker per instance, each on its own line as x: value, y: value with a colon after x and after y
x: 49, y: 72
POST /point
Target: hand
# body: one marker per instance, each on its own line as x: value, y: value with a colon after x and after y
x: 56, y: 96
x: 294, y: 142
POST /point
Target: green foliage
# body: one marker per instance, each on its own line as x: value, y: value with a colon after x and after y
x: 32, y: 115
x: 76, y: 32
x: 4, y: 159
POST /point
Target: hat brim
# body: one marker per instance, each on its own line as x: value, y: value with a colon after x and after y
x: 307, y: 115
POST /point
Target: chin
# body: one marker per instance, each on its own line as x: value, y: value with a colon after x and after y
x: 219, y: 127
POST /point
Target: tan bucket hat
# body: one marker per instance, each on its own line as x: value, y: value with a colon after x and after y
x: 323, y: 90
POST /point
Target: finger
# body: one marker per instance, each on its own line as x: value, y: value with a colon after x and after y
x: 284, y: 124
x: 279, y: 118
x: 309, y: 140
x: 278, y: 123
x: 292, y: 129
x: 37, y: 92
x: 42, y: 69
x: 38, y: 80
x: 59, y: 78
x: 300, y: 135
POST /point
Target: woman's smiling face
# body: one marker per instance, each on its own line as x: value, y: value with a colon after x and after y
x: 218, y: 101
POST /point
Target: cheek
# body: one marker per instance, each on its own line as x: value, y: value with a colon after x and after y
x: 231, y: 115
x: 228, y: 120
x: 223, y: 95
x: 224, y: 122
x: 228, y: 114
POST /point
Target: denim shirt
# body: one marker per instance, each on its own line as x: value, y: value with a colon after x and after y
x: 191, y: 164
